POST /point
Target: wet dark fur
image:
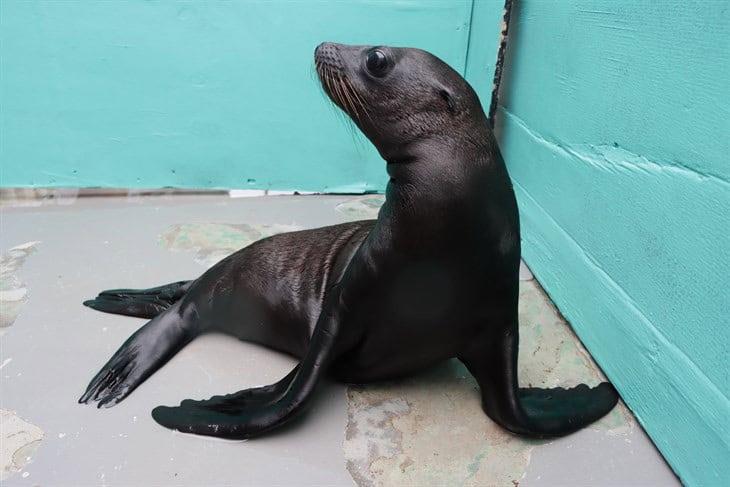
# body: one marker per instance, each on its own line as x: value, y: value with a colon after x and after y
x: 434, y: 277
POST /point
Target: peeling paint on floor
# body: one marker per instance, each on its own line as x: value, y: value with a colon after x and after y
x: 212, y: 242
x: 430, y: 429
x: 13, y: 293
x: 361, y: 208
x: 20, y: 440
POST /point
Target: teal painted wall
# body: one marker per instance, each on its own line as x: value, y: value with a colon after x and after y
x: 202, y: 94
x: 615, y: 126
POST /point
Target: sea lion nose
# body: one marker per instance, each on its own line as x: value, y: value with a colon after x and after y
x: 328, y: 53
x: 323, y: 49
x: 326, y: 45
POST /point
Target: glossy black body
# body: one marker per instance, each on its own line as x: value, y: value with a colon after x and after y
x: 434, y: 277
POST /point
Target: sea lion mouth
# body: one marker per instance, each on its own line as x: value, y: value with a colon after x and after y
x: 335, y: 82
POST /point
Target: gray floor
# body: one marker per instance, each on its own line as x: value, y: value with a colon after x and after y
x: 424, y: 430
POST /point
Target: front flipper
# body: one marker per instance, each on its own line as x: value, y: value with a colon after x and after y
x: 533, y: 412
x: 234, y: 416
x: 251, y: 412
x: 561, y: 411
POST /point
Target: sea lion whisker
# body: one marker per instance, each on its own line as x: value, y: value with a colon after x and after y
x: 354, y: 92
x: 360, y: 101
x: 330, y: 84
x: 318, y: 69
x: 340, y: 96
x: 331, y: 89
x: 342, y: 92
x: 323, y: 70
x: 323, y: 85
x: 348, y: 94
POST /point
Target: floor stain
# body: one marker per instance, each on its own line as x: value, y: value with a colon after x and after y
x: 19, y: 441
x: 13, y: 293
x: 361, y: 208
x: 212, y: 242
x: 443, y: 437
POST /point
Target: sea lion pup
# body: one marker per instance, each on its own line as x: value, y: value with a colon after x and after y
x: 434, y: 277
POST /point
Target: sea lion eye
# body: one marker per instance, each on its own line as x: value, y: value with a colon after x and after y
x: 376, y: 62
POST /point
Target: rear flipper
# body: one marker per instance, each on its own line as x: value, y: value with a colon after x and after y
x: 148, y: 349
x: 142, y: 303
x: 539, y: 413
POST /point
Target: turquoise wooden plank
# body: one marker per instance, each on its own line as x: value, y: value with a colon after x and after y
x: 615, y: 127
x: 196, y: 94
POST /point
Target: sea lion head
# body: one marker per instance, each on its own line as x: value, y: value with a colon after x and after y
x: 398, y: 95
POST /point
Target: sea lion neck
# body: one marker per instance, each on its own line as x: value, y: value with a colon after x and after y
x: 439, y: 162
x: 439, y: 190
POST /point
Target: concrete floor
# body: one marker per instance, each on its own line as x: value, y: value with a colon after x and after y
x: 426, y: 430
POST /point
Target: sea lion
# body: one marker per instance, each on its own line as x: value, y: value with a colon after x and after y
x: 434, y: 277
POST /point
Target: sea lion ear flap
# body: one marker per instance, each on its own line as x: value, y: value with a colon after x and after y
x: 448, y: 98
